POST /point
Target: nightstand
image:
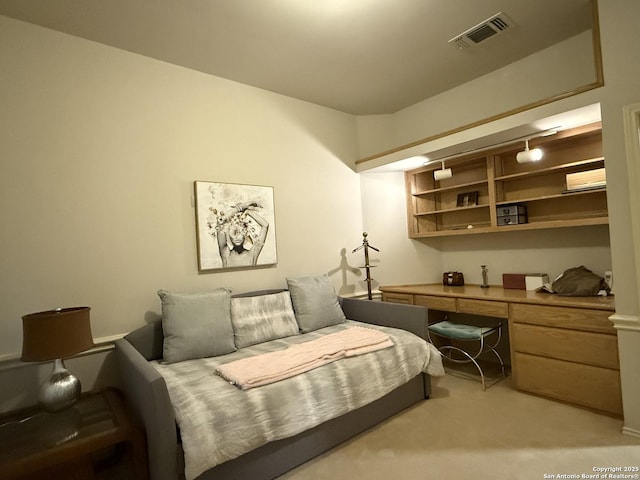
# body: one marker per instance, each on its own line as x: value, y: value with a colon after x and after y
x: 72, y: 443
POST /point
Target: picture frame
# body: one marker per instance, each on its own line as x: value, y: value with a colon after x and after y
x: 235, y: 226
x: 467, y: 199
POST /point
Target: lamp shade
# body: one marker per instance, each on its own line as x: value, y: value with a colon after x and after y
x: 527, y: 156
x: 56, y: 334
x: 442, y: 174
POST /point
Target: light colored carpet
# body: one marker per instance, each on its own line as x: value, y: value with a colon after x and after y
x: 465, y: 433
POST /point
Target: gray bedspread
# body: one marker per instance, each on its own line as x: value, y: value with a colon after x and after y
x: 218, y: 421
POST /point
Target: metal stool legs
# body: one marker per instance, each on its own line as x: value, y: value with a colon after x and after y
x: 471, y: 336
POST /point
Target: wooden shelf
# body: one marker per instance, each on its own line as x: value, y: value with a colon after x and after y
x: 556, y: 168
x: 557, y: 195
x: 457, y: 209
x: 545, y: 225
x: 500, y: 180
x: 461, y: 186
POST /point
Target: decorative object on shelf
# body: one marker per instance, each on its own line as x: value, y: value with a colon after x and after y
x: 365, y: 245
x: 511, y: 214
x: 468, y: 199
x: 453, y: 279
x: 534, y: 281
x: 443, y: 173
x: 55, y: 335
x: 516, y: 281
x: 587, y: 180
x: 524, y: 281
x: 235, y: 226
x: 608, y: 278
x: 527, y: 155
x: 485, y: 279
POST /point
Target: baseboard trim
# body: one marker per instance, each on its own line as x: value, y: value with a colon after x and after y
x: 625, y: 322
x: 631, y: 431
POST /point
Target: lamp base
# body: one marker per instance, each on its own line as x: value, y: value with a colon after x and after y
x: 60, y: 391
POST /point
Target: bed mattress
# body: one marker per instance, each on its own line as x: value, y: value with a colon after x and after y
x: 218, y: 421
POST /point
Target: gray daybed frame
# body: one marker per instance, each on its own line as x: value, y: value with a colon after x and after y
x: 147, y: 394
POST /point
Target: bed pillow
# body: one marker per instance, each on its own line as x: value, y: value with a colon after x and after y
x: 315, y: 302
x: 196, y: 325
x: 262, y: 318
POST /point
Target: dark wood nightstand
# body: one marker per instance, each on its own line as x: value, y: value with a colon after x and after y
x: 70, y: 444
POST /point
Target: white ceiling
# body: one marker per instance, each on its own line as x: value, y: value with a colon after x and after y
x: 358, y: 56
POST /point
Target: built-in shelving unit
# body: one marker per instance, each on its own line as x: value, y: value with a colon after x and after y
x: 466, y: 203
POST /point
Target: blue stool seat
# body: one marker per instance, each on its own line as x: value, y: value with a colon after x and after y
x: 459, y: 331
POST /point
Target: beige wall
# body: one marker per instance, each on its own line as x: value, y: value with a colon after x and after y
x: 99, y: 151
x: 400, y: 259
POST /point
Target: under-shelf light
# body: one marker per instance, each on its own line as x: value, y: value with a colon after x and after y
x: 529, y: 155
x: 443, y: 173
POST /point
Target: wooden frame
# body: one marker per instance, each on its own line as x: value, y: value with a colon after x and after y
x: 467, y: 199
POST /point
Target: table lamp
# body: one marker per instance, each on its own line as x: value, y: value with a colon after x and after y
x: 55, y: 335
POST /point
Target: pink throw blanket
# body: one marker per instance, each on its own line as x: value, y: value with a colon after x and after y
x: 274, y: 366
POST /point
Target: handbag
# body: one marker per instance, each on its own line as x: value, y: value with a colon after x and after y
x: 454, y: 279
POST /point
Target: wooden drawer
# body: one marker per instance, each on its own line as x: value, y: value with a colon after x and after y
x: 483, y: 307
x: 593, y: 387
x: 405, y: 298
x: 435, y: 302
x: 576, y: 346
x: 563, y: 317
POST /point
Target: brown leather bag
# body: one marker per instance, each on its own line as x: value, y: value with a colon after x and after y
x: 455, y: 279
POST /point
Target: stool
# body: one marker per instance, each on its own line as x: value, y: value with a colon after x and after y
x: 470, y: 343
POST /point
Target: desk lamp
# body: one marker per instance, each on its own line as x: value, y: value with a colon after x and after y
x: 54, y: 335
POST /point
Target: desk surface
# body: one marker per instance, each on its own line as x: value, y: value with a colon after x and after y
x: 497, y: 293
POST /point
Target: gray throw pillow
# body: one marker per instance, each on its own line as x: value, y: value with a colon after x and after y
x: 315, y: 302
x: 196, y: 325
x: 262, y: 318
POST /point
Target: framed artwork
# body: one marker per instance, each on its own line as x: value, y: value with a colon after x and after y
x: 235, y: 226
x: 468, y: 199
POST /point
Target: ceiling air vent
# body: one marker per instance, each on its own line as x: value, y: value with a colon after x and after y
x: 486, y: 29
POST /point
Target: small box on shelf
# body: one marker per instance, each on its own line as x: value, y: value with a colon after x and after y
x: 514, y: 280
x: 511, y: 214
x: 590, y: 179
x: 524, y: 281
x: 534, y: 281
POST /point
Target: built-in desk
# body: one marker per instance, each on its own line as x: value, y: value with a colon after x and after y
x: 561, y: 347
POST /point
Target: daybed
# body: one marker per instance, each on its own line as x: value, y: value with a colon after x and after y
x: 170, y: 400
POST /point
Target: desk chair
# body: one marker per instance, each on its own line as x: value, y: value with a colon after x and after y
x: 461, y: 343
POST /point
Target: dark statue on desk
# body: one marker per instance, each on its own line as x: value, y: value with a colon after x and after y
x: 485, y: 280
